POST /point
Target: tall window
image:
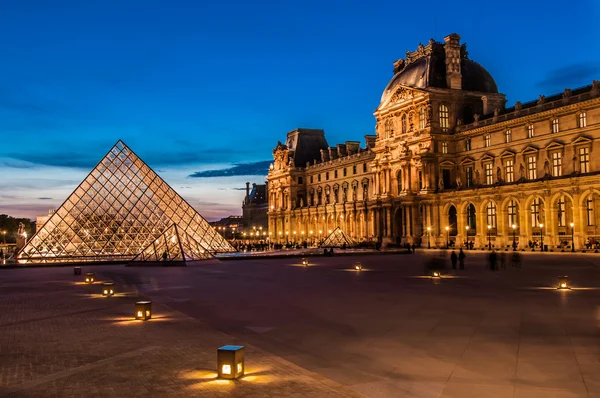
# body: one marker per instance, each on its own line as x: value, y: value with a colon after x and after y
x: 508, y: 136
x: 562, y: 215
x: 491, y: 214
x: 388, y: 128
x: 531, y: 167
x: 345, y: 172
x: 444, y: 117
x: 421, y: 180
x: 311, y: 179
x: 469, y: 176
x: 422, y: 118
x: 556, y: 164
x: 509, y: 170
x: 584, y: 160
x: 403, y: 124
x: 327, y: 176
x: 535, y: 213
x: 489, y: 174
x: 468, y: 144
x: 444, y: 147
x: 512, y: 213
x: 487, y: 140
x: 555, y: 126
x: 354, y: 169
x: 530, y: 132
x: 589, y: 208
x: 319, y: 177
x: 335, y: 174
x: 364, y: 168
x: 471, y: 218
x: 582, y: 120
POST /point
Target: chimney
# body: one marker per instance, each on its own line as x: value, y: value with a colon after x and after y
x: 247, y: 192
x: 453, y: 73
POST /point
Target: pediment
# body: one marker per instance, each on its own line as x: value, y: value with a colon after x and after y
x: 555, y: 145
x: 487, y: 157
x: 447, y: 163
x: 530, y: 149
x: 467, y: 160
x: 582, y: 139
x: 508, y: 154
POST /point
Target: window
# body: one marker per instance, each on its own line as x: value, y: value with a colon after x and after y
x: 300, y: 181
x: 388, y: 128
x: 562, y: 216
x: 589, y: 209
x: 311, y: 179
x: 444, y: 117
x: 469, y: 176
x: 489, y: 174
x: 421, y: 180
x: 535, y: 213
x: 530, y: 132
x: 444, y: 147
x: 422, y: 118
x: 512, y: 213
x: 353, y: 169
x: 335, y: 174
x: 327, y: 176
x: 403, y: 124
x: 491, y: 214
x: 555, y: 126
x: 531, y: 167
x: 468, y: 144
x: 584, y: 160
x: 471, y: 218
x: 556, y: 164
x: 508, y: 136
x: 487, y: 140
x: 582, y: 120
x: 509, y: 170
x: 319, y: 177
x: 364, y: 168
x: 345, y: 172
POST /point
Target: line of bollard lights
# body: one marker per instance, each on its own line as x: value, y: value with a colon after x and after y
x: 230, y: 358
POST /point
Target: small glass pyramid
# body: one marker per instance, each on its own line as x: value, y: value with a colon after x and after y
x: 117, y: 212
x: 338, y: 238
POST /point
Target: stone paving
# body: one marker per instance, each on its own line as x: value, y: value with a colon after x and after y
x: 320, y: 331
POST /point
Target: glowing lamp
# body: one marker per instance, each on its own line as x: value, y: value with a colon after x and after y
x: 304, y: 262
x: 436, y: 274
x: 108, y: 289
x: 230, y: 361
x: 89, y: 277
x: 358, y: 266
x: 77, y: 271
x: 563, y: 282
x: 143, y: 310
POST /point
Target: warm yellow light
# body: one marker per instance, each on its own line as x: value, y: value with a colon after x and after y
x: 467, y: 227
x: 357, y: 266
x: 287, y: 232
x: 311, y: 232
x: 329, y: 231
x: 302, y: 232
x: 436, y: 274
x: 148, y: 313
x: 429, y: 228
x: 447, y: 228
x: 226, y: 369
x: 294, y: 232
x: 572, y: 225
x: 105, y: 292
x: 140, y: 314
x: 240, y: 367
x: 563, y: 285
x: 489, y: 227
x: 514, y: 226
x: 280, y: 232
x: 541, y: 225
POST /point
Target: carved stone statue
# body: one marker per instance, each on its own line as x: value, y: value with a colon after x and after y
x: 458, y: 182
x: 301, y: 202
x: 477, y: 181
x: 522, y: 171
x: 441, y: 184
x: 498, y: 174
x: 546, y: 168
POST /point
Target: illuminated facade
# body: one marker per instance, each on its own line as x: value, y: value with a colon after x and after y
x: 123, y: 211
x: 449, y: 161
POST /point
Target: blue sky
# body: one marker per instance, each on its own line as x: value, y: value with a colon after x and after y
x: 192, y: 86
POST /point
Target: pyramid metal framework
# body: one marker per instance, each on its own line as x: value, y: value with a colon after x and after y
x: 116, y: 213
x: 338, y: 238
x: 173, y: 246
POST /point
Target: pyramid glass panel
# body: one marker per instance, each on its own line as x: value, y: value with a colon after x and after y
x: 173, y: 245
x: 120, y: 210
x: 338, y: 238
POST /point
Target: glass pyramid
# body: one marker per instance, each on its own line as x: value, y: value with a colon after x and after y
x: 173, y: 246
x: 120, y: 208
x: 338, y: 238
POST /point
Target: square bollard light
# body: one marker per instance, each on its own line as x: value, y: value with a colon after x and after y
x: 89, y: 277
x: 77, y: 271
x: 436, y: 274
x: 563, y: 282
x: 358, y: 266
x: 230, y: 361
x: 108, y: 289
x: 304, y: 262
x: 143, y: 310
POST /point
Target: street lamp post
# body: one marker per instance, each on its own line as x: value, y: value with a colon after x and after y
x: 489, y: 237
x: 542, y: 236
x: 447, y: 237
x: 572, y: 237
x: 467, y: 236
x: 4, y: 234
x: 429, y: 237
x: 514, y: 227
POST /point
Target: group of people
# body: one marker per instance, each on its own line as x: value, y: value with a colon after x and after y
x: 496, y: 260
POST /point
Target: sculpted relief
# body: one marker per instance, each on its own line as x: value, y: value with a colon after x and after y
x: 402, y: 94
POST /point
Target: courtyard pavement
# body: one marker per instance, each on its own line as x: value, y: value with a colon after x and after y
x: 324, y: 330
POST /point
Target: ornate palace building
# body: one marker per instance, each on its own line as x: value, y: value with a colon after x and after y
x: 448, y: 162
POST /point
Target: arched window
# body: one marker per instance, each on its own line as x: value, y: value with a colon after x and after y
x: 422, y: 118
x: 562, y: 213
x: 388, y: 128
x: 491, y: 214
x: 535, y: 213
x: 444, y: 117
x: 582, y: 120
x: 471, y: 218
x: 399, y: 180
x: 512, y: 213
x: 404, y: 129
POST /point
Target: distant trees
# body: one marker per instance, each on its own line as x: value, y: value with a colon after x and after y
x: 11, y: 226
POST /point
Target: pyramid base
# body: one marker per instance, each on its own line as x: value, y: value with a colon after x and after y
x: 156, y: 264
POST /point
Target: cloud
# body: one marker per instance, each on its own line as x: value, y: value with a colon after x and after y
x: 45, y: 198
x: 238, y: 189
x: 66, y: 159
x: 241, y: 169
x: 571, y: 76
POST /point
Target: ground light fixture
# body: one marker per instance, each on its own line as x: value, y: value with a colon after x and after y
x: 230, y: 361
x: 108, y: 289
x: 563, y: 283
x: 436, y: 274
x: 143, y: 310
x: 304, y: 262
x: 89, y: 277
x: 358, y: 266
x: 77, y: 271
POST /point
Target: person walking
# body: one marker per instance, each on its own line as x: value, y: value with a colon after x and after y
x: 492, y: 260
x: 502, y: 256
x: 461, y: 259
x: 516, y: 260
x: 453, y: 259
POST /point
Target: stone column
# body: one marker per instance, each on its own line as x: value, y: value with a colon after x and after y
x: 580, y: 225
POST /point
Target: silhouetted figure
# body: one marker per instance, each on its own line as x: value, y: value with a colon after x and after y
x: 492, y: 260
x: 502, y: 256
x: 165, y: 256
x: 461, y: 259
x: 413, y: 248
x: 453, y: 259
x: 516, y: 260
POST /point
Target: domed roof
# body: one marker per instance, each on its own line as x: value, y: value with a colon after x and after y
x: 429, y: 71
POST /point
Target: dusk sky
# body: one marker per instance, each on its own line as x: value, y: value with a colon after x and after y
x: 193, y: 86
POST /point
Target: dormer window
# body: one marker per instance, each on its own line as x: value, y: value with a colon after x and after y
x: 444, y: 117
x: 388, y: 128
x: 403, y: 122
x: 487, y: 140
x: 555, y: 126
x: 508, y: 136
x: 468, y: 144
x: 444, y: 147
x: 582, y: 120
x: 530, y: 132
x: 422, y: 118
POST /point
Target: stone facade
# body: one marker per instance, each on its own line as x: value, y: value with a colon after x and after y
x: 449, y: 162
